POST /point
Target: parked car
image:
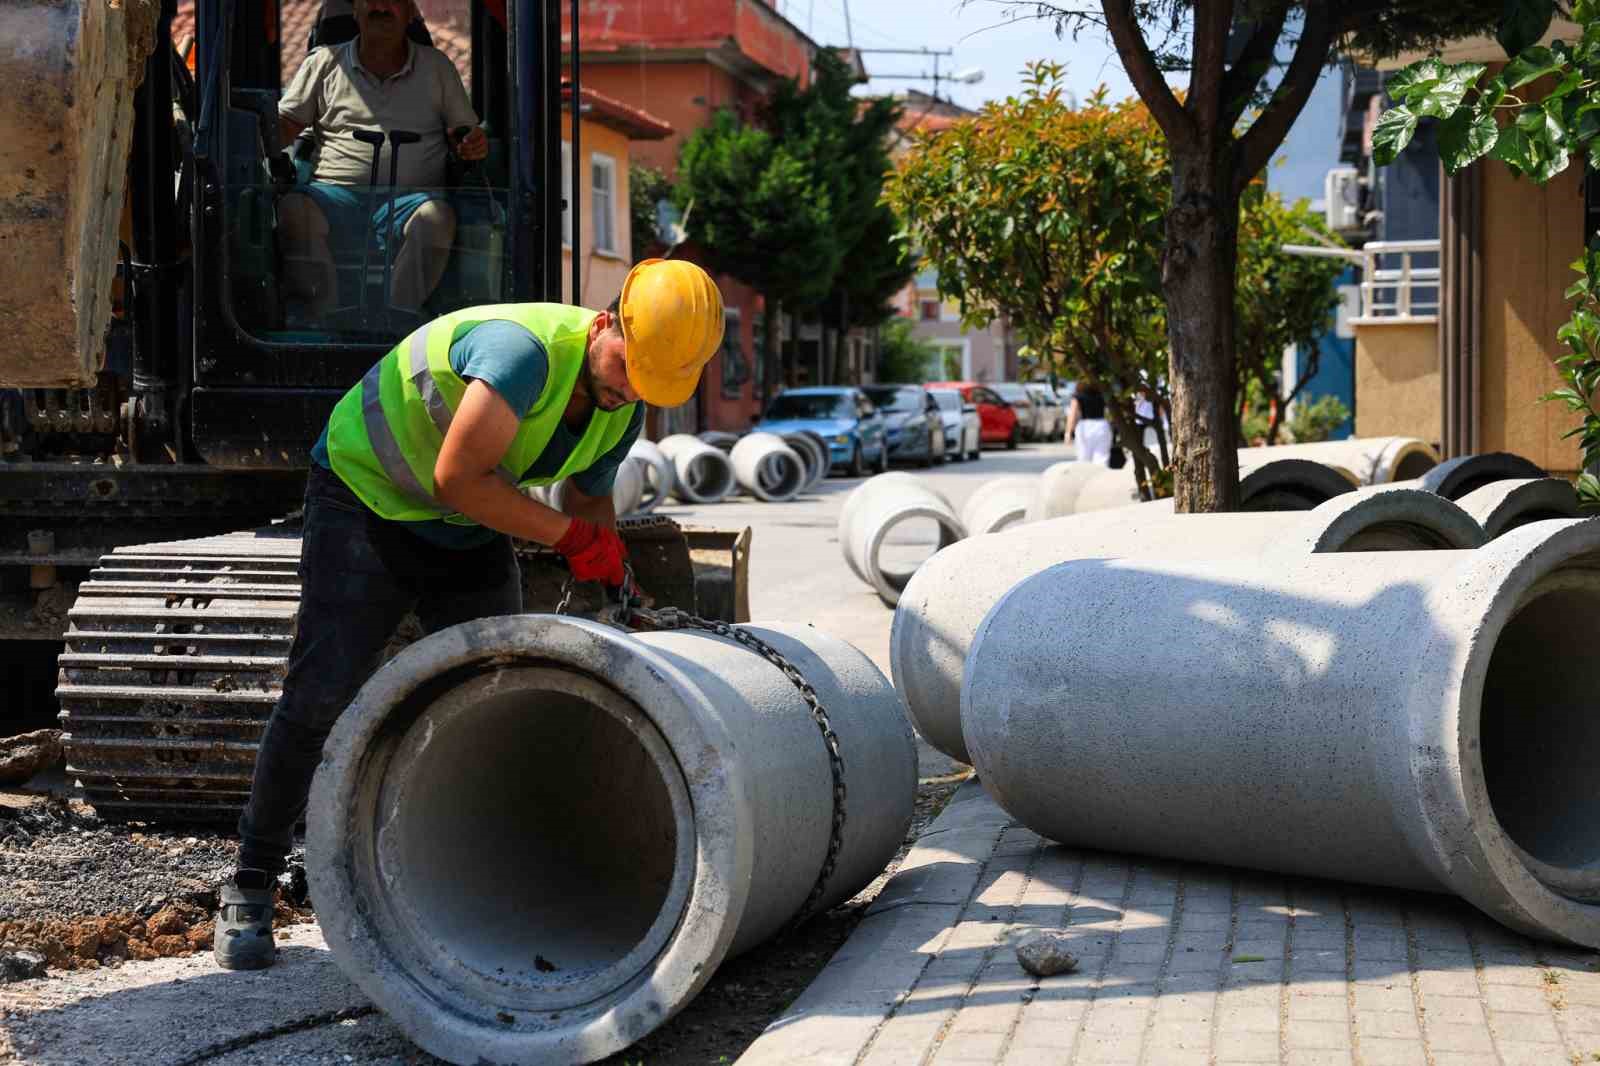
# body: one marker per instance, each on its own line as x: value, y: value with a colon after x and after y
x: 1022, y: 403
x: 997, y: 420
x: 842, y: 416
x: 911, y: 418
x: 962, y: 432
x: 1052, y: 415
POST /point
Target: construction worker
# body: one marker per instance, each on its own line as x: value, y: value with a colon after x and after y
x: 413, y: 497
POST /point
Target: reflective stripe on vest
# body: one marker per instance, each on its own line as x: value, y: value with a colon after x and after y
x: 384, y: 436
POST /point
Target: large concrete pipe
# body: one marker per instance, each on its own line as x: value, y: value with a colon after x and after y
x: 999, y: 504
x: 1373, y: 460
x: 1422, y: 720
x: 627, y: 490
x: 720, y: 440
x: 658, y: 474
x: 1502, y: 506
x: 1455, y: 478
x: 533, y: 839
x: 814, y: 450
x: 874, y: 510
x: 941, y: 607
x: 767, y: 468
x: 1265, y: 485
x: 704, y: 474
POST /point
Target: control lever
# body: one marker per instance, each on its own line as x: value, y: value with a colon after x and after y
x: 396, y: 139
x: 470, y: 166
x: 375, y: 139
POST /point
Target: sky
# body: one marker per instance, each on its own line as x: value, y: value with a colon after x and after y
x: 983, y: 36
x: 975, y: 31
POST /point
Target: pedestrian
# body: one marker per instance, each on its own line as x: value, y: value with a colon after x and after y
x: 413, y: 497
x: 1087, y: 427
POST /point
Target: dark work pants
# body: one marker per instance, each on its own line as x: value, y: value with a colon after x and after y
x: 359, y: 576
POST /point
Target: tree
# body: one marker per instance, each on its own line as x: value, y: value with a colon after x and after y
x: 1221, y: 132
x: 1500, y: 117
x: 1280, y: 300
x: 846, y: 140
x: 647, y: 187
x: 1054, y: 217
x: 760, y: 215
x: 902, y: 356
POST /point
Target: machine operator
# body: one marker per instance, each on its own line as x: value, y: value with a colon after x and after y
x: 413, y: 497
x: 380, y: 80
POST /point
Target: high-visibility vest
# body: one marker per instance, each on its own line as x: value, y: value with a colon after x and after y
x: 385, y: 434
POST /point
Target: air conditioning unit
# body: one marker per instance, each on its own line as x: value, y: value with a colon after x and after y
x: 1341, y: 189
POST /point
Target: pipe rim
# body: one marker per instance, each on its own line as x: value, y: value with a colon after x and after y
x: 890, y: 586
x: 1415, y: 520
x: 1502, y: 581
x: 705, y: 476
x: 693, y: 731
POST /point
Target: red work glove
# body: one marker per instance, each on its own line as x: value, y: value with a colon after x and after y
x: 594, y: 552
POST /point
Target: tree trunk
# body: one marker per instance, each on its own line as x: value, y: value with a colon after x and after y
x: 1197, y: 278
x: 772, y: 316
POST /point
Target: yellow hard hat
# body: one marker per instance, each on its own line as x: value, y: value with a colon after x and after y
x: 672, y: 320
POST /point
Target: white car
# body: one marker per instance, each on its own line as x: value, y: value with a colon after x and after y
x: 1026, y: 407
x: 1051, y: 413
x: 961, y: 426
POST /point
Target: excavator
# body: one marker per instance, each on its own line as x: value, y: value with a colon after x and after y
x: 160, y: 388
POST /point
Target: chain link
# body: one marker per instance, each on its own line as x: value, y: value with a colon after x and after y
x: 631, y: 613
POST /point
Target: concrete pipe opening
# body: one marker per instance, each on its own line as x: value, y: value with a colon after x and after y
x: 780, y: 477
x: 905, y: 544
x: 537, y: 833
x: 1539, y: 733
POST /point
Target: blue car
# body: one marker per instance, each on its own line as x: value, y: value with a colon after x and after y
x: 842, y: 416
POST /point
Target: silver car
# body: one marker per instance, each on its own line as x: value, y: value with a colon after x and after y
x: 1052, y: 415
x: 1022, y: 402
x: 961, y: 426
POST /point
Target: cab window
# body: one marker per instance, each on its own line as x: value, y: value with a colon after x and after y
x: 375, y: 218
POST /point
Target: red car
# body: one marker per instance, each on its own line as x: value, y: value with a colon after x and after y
x: 997, y: 422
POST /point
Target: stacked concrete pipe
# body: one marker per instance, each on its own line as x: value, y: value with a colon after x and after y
x: 873, y: 510
x: 814, y: 450
x: 941, y: 608
x: 1455, y: 478
x: 767, y: 468
x: 999, y: 504
x: 1502, y: 506
x: 1373, y: 460
x: 533, y: 839
x: 1422, y: 720
x: 1277, y: 485
x: 627, y: 490
x: 721, y: 440
x: 657, y: 471
x: 704, y: 474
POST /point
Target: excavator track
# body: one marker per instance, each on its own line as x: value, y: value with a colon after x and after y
x: 175, y: 654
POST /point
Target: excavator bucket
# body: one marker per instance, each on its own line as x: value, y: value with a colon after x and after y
x: 68, y: 69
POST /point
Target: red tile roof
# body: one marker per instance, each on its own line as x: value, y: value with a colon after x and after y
x: 637, y: 123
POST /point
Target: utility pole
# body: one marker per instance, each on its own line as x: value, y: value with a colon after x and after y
x: 969, y: 77
x: 849, y: 37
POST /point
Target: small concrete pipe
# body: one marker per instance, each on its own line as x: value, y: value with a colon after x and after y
x: 1275, y: 485
x: 767, y: 468
x: 814, y: 450
x: 533, y: 839
x: 658, y: 474
x: 704, y: 474
x: 1421, y: 720
x: 1502, y: 506
x: 627, y: 489
x: 942, y: 606
x: 872, y: 512
x: 1454, y: 478
x: 999, y: 504
x: 1373, y: 460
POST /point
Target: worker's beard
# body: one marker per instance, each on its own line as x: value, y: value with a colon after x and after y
x: 598, y: 395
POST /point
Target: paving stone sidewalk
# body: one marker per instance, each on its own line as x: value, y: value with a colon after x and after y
x: 1178, y: 964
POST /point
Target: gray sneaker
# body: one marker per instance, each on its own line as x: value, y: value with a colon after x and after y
x: 243, y: 939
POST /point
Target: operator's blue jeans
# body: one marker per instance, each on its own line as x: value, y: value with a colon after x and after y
x: 359, y: 575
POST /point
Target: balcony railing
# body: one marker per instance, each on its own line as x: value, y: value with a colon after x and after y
x: 1399, y: 279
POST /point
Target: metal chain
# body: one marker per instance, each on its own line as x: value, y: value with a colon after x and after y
x: 631, y: 611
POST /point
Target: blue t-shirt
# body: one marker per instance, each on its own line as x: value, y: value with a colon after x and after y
x: 514, y: 363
